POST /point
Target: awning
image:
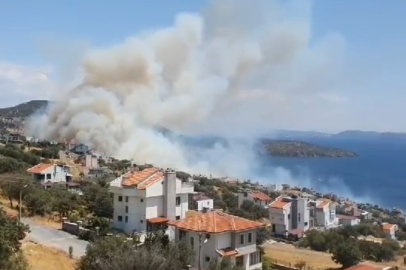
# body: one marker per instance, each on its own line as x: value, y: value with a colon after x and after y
x: 227, y: 252
x: 158, y: 220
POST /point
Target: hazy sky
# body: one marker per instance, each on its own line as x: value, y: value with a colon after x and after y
x: 36, y: 36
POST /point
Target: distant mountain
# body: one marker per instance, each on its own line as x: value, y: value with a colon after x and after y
x: 24, y: 110
x: 369, y: 135
x: 293, y: 148
x: 295, y: 134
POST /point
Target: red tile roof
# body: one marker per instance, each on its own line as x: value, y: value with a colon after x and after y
x: 261, y: 196
x: 37, y: 169
x: 346, y: 217
x: 362, y: 267
x: 388, y: 226
x: 322, y: 204
x: 200, y: 197
x: 280, y: 204
x: 142, y: 179
x: 215, y: 222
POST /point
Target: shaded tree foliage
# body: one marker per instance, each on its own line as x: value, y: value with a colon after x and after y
x: 11, y: 233
x: 115, y: 253
x: 347, y: 254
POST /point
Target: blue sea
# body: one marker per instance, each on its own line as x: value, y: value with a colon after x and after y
x: 377, y: 175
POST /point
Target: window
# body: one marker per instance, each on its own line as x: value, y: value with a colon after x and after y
x: 49, y: 176
x: 245, y: 194
x: 241, y: 239
x: 142, y: 200
x: 177, y: 201
x: 192, y: 241
x: 298, y: 217
x: 126, y: 219
x: 255, y: 258
x: 208, y: 203
x: 126, y: 198
x: 126, y: 209
x: 288, y: 216
x: 207, y: 259
x: 207, y: 236
x: 142, y: 221
x: 306, y: 223
x: 120, y: 198
x: 120, y: 218
x: 249, y: 237
x: 182, y: 234
x: 177, y: 217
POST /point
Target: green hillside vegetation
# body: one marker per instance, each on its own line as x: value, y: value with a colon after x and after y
x: 280, y: 148
x: 24, y: 110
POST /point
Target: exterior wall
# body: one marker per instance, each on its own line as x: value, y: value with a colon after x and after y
x: 302, y: 220
x: 220, y: 241
x: 91, y: 161
x: 209, y: 204
x: 349, y: 222
x: 280, y: 219
x: 136, y: 215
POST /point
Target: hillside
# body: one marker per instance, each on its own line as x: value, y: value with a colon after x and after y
x: 280, y: 148
x: 369, y: 135
x: 24, y: 110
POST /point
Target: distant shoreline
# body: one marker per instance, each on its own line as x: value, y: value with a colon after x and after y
x: 299, y: 149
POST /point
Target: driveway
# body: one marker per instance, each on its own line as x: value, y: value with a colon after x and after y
x: 55, y: 238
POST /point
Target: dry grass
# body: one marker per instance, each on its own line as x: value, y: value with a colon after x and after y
x: 41, y: 257
x: 50, y: 221
x: 289, y: 255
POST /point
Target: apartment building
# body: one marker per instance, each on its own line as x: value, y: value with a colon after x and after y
x: 48, y: 174
x: 258, y: 197
x: 216, y: 235
x: 348, y: 220
x: 288, y: 214
x: 146, y: 200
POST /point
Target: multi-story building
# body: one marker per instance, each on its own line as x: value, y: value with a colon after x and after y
x: 148, y: 199
x: 47, y: 174
x: 325, y: 214
x: 288, y: 214
x: 216, y: 235
x: 258, y: 197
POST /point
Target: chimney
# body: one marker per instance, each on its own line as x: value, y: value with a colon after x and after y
x: 170, y: 194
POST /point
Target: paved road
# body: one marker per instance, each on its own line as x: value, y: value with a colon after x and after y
x: 55, y: 238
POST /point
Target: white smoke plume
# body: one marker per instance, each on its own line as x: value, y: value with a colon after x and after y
x: 235, y: 69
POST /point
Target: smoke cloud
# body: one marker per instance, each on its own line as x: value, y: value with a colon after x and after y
x: 237, y: 69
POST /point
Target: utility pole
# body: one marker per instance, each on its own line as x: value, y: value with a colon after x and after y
x: 20, y: 199
x: 200, y: 249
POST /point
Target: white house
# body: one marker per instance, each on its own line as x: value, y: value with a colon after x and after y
x: 390, y: 230
x: 148, y: 199
x: 288, y: 214
x: 201, y: 202
x: 348, y: 220
x: 258, y: 197
x: 325, y: 214
x: 220, y: 235
x: 50, y: 173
